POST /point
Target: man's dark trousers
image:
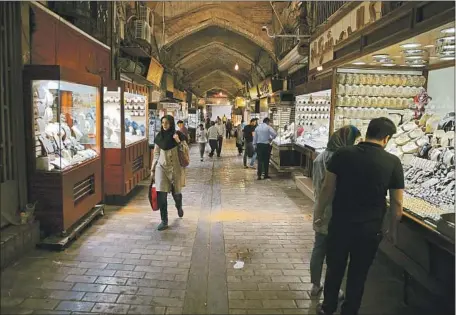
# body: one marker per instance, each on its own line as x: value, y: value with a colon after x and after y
x: 263, y: 159
x: 213, y: 145
x: 360, y: 242
x: 219, y: 145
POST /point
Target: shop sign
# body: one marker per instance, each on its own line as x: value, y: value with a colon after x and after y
x: 171, y: 106
x: 169, y: 83
x: 155, y: 72
x: 253, y: 92
x: 265, y: 87
x: 321, y: 49
x: 240, y: 102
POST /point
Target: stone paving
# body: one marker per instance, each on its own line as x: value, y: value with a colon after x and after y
x: 122, y: 265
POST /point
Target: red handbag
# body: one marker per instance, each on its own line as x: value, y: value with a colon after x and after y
x: 153, y: 198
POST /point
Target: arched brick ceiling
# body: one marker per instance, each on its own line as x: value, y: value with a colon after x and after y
x: 203, y: 37
x: 217, y: 79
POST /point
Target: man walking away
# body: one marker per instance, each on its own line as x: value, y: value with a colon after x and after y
x: 229, y: 128
x: 261, y: 141
x: 213, y: 135
x: 356, y: 182
x: 201, y: 138
x: 222, y: 131
x: 248, y: 143
x: 183, y: 129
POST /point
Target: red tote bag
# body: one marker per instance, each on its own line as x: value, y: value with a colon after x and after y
x: 153, y: 199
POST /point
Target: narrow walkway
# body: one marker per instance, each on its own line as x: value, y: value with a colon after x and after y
x: 122, y: 265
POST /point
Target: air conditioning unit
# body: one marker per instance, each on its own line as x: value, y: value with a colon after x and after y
x: 140, y: 30
x: 144, y: 14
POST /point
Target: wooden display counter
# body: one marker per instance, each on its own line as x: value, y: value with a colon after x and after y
x: 125, y: 168
x: 65, y: 197
x: 284, y: 158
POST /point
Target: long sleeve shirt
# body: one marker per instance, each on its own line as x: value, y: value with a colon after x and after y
x: 264, y: 134
x: 221, y: 128
x: 201, y: 136
x: 213, y: 133
x: 318, y: 176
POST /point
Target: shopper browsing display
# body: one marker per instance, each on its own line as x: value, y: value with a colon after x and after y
x: 356, y: 182
x: 345, y: 136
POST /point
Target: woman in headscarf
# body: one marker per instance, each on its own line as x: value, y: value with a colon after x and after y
x: 345, y: 136
x: 166, y: 171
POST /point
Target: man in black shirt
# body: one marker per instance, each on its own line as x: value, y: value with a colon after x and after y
x: 357, y: 180
x: 248, y: 142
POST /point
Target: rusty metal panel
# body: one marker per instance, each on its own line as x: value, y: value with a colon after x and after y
x: 12, y: 160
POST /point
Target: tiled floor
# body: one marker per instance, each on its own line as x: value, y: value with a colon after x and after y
x: 121, y: 264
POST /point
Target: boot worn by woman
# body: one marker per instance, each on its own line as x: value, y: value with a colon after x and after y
x: 162, y: 226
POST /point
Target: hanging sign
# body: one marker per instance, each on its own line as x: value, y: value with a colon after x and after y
x: 322, y: 48
x: 155, y: 72
x: 253, y: 92
x: 265, y: 88
x: 170, y: 106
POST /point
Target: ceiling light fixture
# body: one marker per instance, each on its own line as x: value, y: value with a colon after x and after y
x: 413, y: 57
x: 418, y: 66
x: 381, y: 56
x: 358, y: 63
x: 413, y: 51
x: 447, y: 38
x: 448, y: 30
x: 447, y: 58
x: 448, y: 47
x: 320, y: 68
x: 429, y: 46
x: 388, y: 64
x: 410, y: 45
x: 236, y: 67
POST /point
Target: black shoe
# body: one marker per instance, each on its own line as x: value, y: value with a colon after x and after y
x: 162, y: 226
x: 267, y: 177
x: 180, y: 212
x: 321, y: 311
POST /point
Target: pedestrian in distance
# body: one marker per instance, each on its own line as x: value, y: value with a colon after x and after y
x: 201, y: 138
x: 213, y: 135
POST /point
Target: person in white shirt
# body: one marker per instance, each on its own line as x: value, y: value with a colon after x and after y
x: 222, y: 131
x: 201, y: 138
x: 213, y: 135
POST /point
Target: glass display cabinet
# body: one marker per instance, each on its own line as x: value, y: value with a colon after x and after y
x: 312, y: 126
x: 126, y: 128
x: 64, y: 142
x: 282, y: 114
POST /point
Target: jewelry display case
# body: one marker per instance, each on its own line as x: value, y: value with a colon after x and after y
x: 126, y: 128
x: 312, y: 120
x: 64, y: 142
x: 364, y: 94
x: 282, y: 114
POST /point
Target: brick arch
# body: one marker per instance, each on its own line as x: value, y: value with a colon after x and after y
x: 223, y: 74
x: 223, y: 47
x: 201, y: 19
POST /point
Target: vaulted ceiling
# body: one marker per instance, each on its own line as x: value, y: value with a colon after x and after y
x: 203, y: 41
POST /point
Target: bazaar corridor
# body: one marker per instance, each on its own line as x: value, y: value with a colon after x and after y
x: 123, y: 265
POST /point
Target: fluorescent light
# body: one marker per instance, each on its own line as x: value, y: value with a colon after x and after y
x: 448, y: 30
x: 447, y: 58
x: 359, y: 63
x: 388, y: 64
x: 417, y: 66
x: 448, y: 38
x: 381, y: 56
x: 411, y: 45
x: 414, y: 57
x: 413, y: 51
x: 448, y: 52
x: 448, y: 47
x: 429, y: 46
